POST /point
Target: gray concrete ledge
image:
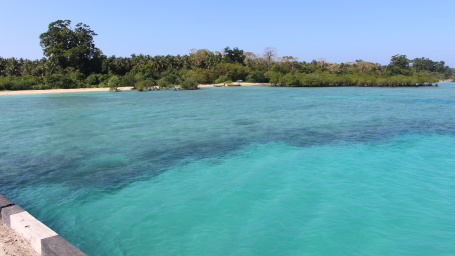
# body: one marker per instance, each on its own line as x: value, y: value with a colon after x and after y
x: 4, y: 202
x: 41, y: 238
x: 8, y: 211
x: 57, y: 245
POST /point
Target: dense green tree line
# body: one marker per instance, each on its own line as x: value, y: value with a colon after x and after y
x: 72, y: 61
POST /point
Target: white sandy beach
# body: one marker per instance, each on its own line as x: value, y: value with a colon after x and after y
x: 96, y: 89
x: 59, y: 91
x: 242, y: 84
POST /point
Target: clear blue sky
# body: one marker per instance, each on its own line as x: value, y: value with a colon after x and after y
x: 339, y: 31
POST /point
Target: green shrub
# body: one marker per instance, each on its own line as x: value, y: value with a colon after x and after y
x: 145, y: 84
x: 257, y: 77
x: 223, y: 79
x: 114, y: 83
x: 17, y: 83
x: 190, y: 80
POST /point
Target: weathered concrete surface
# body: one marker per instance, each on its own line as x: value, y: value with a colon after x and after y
x: 57, y: 245
x: 8, y: 211
x: 18, y: 226
x: 31, y: 229
x: 4, y: 202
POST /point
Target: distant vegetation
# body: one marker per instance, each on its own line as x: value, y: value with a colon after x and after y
x: 72, y: 61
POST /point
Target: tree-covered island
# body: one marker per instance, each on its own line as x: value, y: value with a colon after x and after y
x: 72, y: 61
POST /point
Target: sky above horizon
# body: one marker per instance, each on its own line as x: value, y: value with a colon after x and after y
x: 338, y: 31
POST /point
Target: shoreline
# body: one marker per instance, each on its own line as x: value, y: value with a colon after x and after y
x: 104, y: 89
x: 241, y: 84
x: 60, y: 91
x: 127, y: 88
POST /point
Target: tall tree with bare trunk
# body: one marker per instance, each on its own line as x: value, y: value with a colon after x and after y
x: 269, y: 54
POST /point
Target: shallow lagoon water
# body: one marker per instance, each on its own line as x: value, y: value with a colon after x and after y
x: 237, y: 171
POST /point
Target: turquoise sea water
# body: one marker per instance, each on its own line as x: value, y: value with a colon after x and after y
x: 237, y: 171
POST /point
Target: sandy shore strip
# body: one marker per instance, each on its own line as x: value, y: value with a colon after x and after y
x: 99, y: 89
x: 242, y: 84
x: 60, y: 91
x: 13, y: 245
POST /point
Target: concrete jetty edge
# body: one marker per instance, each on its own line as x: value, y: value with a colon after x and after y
x: 41, y: 238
